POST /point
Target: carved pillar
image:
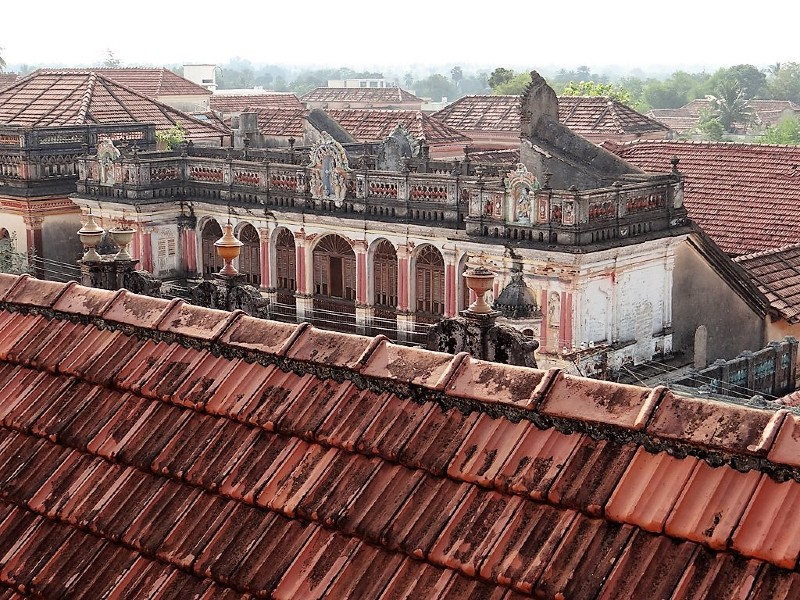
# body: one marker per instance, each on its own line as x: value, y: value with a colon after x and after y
x: 364, y: 312
x: 145, y: 247
x: 304, y: 301
x: 450, y: 283
x: 566, y: 320
x: 543, y: 304
x: 265, y: 257
x: 34, y: 243
x: 405, y: 319
x: 403, y: 289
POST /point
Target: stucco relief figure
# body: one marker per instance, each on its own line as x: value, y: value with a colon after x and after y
x: 329, y: 166
x: 107, y: 153
x: 521, y: 186
x: 554, y: 309
x: 568, y: 214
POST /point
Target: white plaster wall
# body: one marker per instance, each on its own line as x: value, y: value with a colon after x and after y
x: 15, y: 225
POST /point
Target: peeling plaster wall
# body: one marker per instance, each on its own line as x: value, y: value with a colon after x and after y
x: 60, y: 239
x: 701, y: 297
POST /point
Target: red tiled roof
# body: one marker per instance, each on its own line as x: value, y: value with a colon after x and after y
x: 373, y: 125
x: 597, y: 115
x: 482, y: 113
x: 777, y: 275
x: 154, y: 82
x: 745, y: 196
x: 6, y: 79
x: 585, y: 115
x: 180, y: 451
x: 280, y: 121
x: 682, y: 120
x: 494, y: 157
x: 52, y: 98
x: 386, y: 94
x: 229, y: 103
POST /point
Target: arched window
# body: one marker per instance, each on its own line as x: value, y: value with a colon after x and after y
x: 335, y: 268
x: 211, y: 262
x: 249, y: 259
x: 430, y: 281
x: 285, y: 261
x: 385, y: 275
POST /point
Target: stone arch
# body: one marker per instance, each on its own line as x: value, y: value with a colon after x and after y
x: 334, y: 268
x: 383, y: 274
x: 428, y: 280
x: 285, y: 274
x: 210, y: 232
x: 250, y: 256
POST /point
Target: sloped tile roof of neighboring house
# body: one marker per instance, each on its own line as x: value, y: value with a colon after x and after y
x: 366, y: 95
x: 154, y: 82
x: 590, y: 116
x: 229, y: 103
x: 373, y: 125
x: 280, y: 121
x: 492, y: 157
x: 52, y: 98
x: 6, y: 79
x: 597, y: 116
x: 686, y: 118
x: 211, y: 117
x: 179, y: 451
x: 745, y: 196
x: 777, y: 274
x: 475, y: 113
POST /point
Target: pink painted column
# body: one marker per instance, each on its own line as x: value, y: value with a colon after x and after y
x: 402, y: 278
x: 146, y: 252
x: 264, y: 257
x: 566, y: 320
x: 300, y: 261
x: 543, y: 306
x: 189, y: 250
x: 360, y: 249
x: 450, y: 286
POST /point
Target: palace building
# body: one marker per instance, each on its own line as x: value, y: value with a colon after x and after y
x: 373, y: 238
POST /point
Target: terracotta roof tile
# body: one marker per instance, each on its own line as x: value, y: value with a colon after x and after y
x: 154, y: 82
x: 727, y: 184
x: 180, y: 451
x: 482, y: 113
x: 364, y: 95
x: 374, y: 125
x: 54, y: 98
x: 777, y: 274
x: 286, y: 122
x: 232, y: 103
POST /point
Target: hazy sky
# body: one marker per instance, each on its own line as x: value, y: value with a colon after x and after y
x: 403, y: 33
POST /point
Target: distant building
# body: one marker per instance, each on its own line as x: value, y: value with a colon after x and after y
x: 202, y: 74
x: 375, y: 82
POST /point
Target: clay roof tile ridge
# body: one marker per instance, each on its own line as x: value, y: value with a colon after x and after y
x: 16, y: 284
x: 544, y: 387
x: 86, y: 101
x: 451, y: 370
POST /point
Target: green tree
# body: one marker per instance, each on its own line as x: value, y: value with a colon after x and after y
x: 436, y: 87
x: 515, y: 85
x: 730, y: 106
x: 171, y: 138
x: 785, y: 131
x: 709, y: 126
x: 747, y: 78
x: 675, y: 91
x: 590, y: 88
x: 785, y: 83
x: 500, y: 76
x: 111, y: 61
x: 457, y: 75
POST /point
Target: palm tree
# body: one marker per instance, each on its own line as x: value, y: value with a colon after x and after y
x: 730, y: 106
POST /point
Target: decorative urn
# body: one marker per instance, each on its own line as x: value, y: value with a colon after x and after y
x: 122, y: 236
x: 480, y: 280
x: 228, y: 248
x: 90, y: 235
